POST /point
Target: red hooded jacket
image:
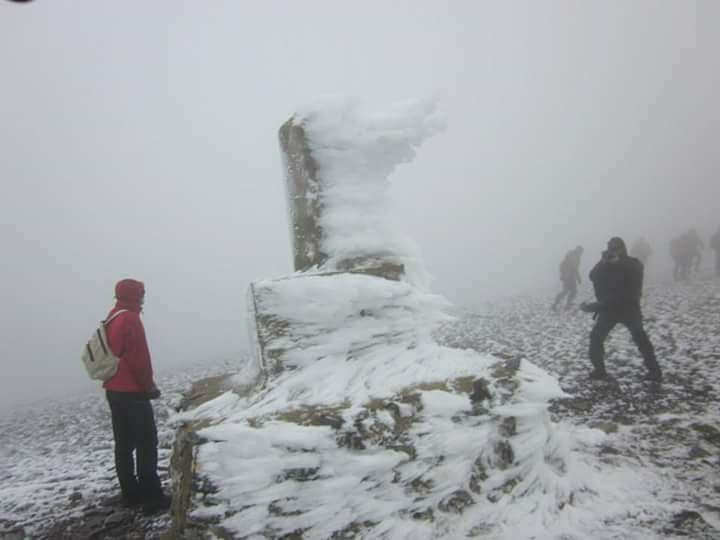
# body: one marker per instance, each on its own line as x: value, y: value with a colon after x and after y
x: 126, y: 337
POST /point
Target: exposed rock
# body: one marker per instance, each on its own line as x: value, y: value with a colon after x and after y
x: 204, y: 390
x: 456, y: 502
x: 478, y: 476
x: 480, y: 391
x: 14, y: 534
x: 690, y: 523
x: 607, y: 427
x: 117, y: 518
x: 504, y: 454
x: 508, y: 427
x: 698, y: 452
x: 301, y: 474
x: 609, y: 450
x: 710, y: 433
x: 350, y: 439
x: 304, y: 189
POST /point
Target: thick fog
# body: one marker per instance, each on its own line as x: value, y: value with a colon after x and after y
x: 140, y: 140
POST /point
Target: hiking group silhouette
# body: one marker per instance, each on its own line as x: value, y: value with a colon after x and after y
x: 617, y: 280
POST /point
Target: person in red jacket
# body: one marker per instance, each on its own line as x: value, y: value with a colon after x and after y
x: 129, y: 393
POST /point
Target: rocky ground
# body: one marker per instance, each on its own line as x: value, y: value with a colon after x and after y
x: 57, y: 467
x: 673, y: 427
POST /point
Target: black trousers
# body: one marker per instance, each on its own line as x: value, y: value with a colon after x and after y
x: 134, y: 429
x: 632, y: 319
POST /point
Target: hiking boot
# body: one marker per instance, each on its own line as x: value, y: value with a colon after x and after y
x: 654, y: 376
x: 598, y: 374
x: 131, y: 502
x: 157, y: 504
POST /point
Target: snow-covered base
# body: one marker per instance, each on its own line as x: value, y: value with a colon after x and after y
x: 659, y: 460
x: 366, y: 429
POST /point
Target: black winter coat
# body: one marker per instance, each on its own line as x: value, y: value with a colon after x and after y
x: 618, y: 286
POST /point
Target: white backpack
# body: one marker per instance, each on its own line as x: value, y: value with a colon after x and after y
x: 100, y: 363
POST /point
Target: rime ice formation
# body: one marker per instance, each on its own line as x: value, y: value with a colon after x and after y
x: 337, y: 161
x: 361, y: 424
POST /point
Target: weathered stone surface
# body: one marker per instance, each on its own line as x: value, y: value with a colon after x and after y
x: 181, y: 468
x: 16, y: 534
x: 304, y: 197
x: 607, y: 427
x: 504, y: 454
x: 480, y: 391
x: 117, y: 518
x: 385, y: 268
x: 456, y: 502
x: 698, y: 452
x: 508, y: 426
x: 691, y: 524
x: 205, y: 390
x: 708, y: 432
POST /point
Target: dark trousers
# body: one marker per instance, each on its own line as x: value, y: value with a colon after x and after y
x: 134, y: 429
x: 569, y: 289
x: 632, y: 319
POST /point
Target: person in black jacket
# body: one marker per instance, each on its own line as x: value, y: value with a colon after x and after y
x: 618, y: 281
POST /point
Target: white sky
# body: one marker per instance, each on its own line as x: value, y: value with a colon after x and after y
x: 140, y: 140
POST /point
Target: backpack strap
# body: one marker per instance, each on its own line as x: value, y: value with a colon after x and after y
x: 118, y: 312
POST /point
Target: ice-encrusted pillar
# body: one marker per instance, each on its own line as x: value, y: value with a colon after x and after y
x: 338, y: 158
x: 337, y: 162
x: 303, y: 194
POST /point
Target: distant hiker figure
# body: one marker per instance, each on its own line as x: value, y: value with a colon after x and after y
x: 677, y: 257
x: 694, y: 247
x: 129, y: 393
x: 641, y: 250
x: 684, y: 251
x: 569, y: 277
x: 618, y: 281
x: 715, y: 245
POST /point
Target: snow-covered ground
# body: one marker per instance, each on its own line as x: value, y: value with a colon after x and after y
x: 630, y: 459
x: 655, y: 451
x: 56, y: 457
x: 670, y: 432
